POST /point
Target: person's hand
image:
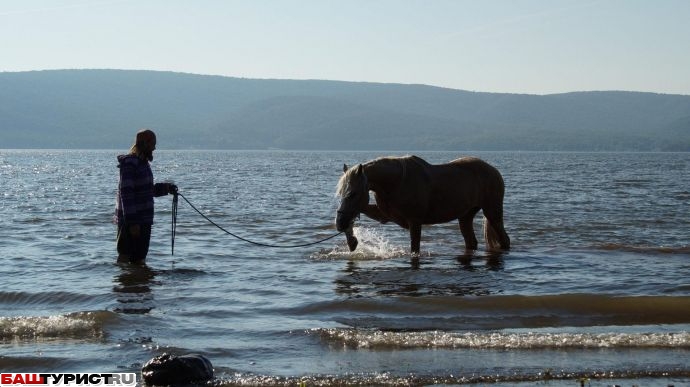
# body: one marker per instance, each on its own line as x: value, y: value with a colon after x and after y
x: 172, y: 189
x: 135, y: 230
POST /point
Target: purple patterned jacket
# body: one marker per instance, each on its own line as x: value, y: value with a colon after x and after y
x: 136, y: 191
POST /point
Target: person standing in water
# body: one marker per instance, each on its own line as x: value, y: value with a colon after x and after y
x: 135, y: 193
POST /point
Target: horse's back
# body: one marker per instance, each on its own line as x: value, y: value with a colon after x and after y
x: 470, y: 180
x: 465, y: 172
x: 471, y: 162
x: 469, y: 170
x: 476, y: 165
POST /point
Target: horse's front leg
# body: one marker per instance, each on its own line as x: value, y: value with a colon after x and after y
x: 415, y: 237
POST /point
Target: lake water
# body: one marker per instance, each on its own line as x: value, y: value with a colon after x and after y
x: 596, y: 285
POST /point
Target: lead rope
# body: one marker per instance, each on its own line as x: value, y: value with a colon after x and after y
x: 234, y: 235
x: 174, y: 223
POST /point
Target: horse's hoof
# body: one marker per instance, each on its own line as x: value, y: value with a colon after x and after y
x: 167, y: 370
x: 352, y: 242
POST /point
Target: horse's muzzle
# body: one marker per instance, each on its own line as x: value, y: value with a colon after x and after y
x: 344, y: 220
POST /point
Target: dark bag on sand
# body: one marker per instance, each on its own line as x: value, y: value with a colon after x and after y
x: 167, y: 370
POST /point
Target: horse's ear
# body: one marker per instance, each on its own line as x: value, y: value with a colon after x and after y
x: 360, y: 169
x: 344, y: 167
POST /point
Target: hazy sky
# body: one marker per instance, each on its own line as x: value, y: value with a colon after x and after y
x: 517, y: 46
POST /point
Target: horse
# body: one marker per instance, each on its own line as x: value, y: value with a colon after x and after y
x: 410, y: 192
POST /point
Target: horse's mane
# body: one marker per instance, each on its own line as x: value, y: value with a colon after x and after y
x: 343, y: 185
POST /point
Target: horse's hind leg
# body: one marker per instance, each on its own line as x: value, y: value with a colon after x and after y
x: 467, y: 229
x: 494, y: 232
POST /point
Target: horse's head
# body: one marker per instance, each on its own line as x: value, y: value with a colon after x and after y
x: 353, y: 190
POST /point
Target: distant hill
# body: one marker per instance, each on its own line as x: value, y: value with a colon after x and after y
x: 103, y: 109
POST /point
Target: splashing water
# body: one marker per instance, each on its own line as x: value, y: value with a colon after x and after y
x: 372, y: 245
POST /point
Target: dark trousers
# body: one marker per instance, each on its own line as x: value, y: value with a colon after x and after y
x: 133, y: 249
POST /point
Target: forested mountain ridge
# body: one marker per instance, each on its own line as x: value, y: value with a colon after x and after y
x: 103, y: 108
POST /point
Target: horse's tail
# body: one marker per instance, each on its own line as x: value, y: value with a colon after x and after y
x: 491, y: 238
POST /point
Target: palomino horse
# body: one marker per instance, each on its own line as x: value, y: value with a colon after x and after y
x: 411, y: 192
